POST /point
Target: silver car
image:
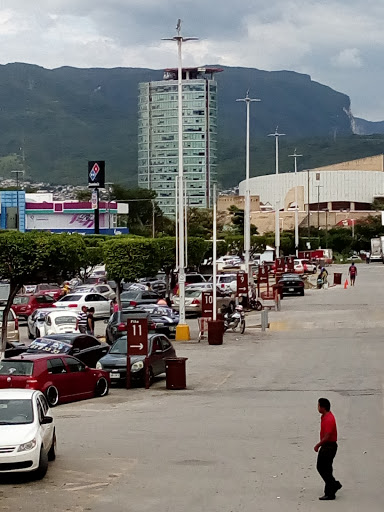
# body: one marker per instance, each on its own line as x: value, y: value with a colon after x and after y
x: 193, y: 301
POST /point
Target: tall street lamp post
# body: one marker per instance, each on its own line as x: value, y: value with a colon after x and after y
x: 276, y: 135
x: 296, y: 156
x: 17, y: 198
x: 182, y: 330
x: 247, y: 206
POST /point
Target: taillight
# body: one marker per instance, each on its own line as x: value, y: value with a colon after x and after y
x: 152, y: 326
x: 122, y: 327
x: 29, y: 306
x: 195, y: 301
x: 132, y: 303
x: 72, y: 305
x: 16, y: 324
x: 30, y: 383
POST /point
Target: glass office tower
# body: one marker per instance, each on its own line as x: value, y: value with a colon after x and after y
x: 158, y: 136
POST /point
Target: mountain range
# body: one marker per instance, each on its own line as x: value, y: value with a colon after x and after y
x: 54, y: 121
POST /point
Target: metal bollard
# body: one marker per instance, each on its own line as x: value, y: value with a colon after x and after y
x: 264, y: 319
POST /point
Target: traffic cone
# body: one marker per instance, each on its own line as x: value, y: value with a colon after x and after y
x: 346, y: 284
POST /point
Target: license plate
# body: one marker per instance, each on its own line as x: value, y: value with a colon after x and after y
x: 291, y: 289
x: 115, y: 375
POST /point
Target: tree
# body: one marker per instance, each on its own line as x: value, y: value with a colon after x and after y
x: 130, y: 259
x: 200, y: 222
x: 29, y: 258
x: 238, y: 221
x: 83, y: 195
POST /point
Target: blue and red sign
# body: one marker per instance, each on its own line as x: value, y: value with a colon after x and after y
x: 96, y: 174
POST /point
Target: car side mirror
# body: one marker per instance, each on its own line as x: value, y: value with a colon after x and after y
x: 47, y: 420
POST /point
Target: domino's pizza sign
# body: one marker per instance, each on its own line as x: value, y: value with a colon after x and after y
x: 96, y: 174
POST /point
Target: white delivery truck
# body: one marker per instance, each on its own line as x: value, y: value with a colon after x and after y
x: 376, y: 249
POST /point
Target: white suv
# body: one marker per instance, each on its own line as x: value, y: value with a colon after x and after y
x: 224, y: 281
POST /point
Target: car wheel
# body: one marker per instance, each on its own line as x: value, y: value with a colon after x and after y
x: 41, y: 471
x: 242, y: 327
x: 102, y: 387
x: 302, y: 293
x: 52, y: 396
x: 30, y: 335
x: 37, y: 333
x: 52, y: 450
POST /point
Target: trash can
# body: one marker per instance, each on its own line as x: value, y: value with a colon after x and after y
x: 337, y: 278
x: 175, y: 372
x: 215, y: 332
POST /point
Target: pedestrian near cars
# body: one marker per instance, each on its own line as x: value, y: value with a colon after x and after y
x: 115, y: 305
x: 81, y: 321
x: 91, y: 321
x: 326, y: 450
x: 352, y: 273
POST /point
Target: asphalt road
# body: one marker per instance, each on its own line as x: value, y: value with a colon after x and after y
x: 241, y: 437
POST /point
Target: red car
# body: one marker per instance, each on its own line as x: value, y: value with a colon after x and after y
x: 61, y: 378
x: 25, y: 305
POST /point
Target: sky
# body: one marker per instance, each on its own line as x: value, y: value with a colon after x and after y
x: 339, y: 43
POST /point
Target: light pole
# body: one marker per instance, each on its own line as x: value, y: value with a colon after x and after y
x: 276, y: 135
x: 182, y: 330
x: 108, y: 185
x: 247, y: 206
x: 296, y: 156
x: 17, y: 198
x: 214, y: 251
x: 277, y: 229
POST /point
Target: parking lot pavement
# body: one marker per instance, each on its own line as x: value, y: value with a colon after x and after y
x: 241, y: 437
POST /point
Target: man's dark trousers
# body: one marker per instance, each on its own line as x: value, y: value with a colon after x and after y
x: 325, y: 458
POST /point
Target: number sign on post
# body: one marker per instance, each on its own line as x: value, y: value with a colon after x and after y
x: 291, y: 264
x: 207, y: 305
x: 242, y: 284
x: 280, y: 265
x: 137, y: 336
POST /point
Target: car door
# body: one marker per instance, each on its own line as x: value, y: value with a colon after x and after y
x: 58, y: 377
x: 100, y: 303
x: 168, y: 350
x: 156, y: 356
x: 89, y: 350
x: 45, y: 430
x: 81, y: 379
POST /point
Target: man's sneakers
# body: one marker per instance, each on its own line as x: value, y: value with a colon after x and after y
x: 326, y: 498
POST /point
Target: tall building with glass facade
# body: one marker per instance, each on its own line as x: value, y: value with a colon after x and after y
x: 158, y: 136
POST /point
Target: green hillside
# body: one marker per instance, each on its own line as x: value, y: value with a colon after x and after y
x: 63, y: 117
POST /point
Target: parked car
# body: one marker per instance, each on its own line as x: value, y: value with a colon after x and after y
x: 74, y: 302
x: 58, y: 322
x: 62, y: 378
x: 115, y: 362
x: 223, y: 282
x: 85, y: 347
x: 165, y: 319
x: 52, y: 289
x: 36, y: 323
x: 291, y: 284
x: 305, y: 267
x: 136, y: 297
x: 117, y: 323
x: 14, y: 348
x: 190, y: 278
x: 193, y: 301
x: 25, y: 305
x: 157, y: 285
x: 27, y: 432
x: 12, y: 325
x: 103, y: 288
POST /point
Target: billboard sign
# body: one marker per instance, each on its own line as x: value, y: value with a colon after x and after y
x: 96, y: 174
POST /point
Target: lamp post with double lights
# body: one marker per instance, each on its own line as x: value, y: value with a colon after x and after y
x: 182, y: 330
x: 247, y: 206
x: 296, y: 156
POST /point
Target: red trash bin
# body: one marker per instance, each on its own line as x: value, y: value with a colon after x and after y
x: 175, y: 372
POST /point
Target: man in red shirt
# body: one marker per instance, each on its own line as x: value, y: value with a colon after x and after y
x: 352, y: 273
x: 327, y: 448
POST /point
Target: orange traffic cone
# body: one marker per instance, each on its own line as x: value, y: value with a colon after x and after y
x: 346, y: 284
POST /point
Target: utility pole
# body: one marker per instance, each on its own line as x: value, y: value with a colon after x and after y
x: 296, y: 156
x: 277, y: 229
x: 182, y: 330
x: 17, y: 198
x: 247, y: 209
x: 318, y: 205
x: 276, y: 135
x: 108, y: 185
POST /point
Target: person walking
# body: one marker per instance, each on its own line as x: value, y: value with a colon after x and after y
x: 91, y: 321
x: 115, y: 305
x: 326, y: 449
x: 352, y: 273
x: 81, y: 321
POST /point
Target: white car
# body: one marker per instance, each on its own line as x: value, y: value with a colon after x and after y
x: 224, y: 281
x: 36, y: 323
x: 27, y: 432
x: 75, y: 301
x: 304, y: 267
x: 58, y: 322
x: 102, y: 288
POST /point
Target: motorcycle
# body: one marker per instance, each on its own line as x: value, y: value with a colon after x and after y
x: 255, y: 304
x: 235, y: 319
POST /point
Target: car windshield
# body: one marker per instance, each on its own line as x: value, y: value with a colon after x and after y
x: 192, y: 293
x: 120, y: 347
x: 70, y: 298
x: 195, y: 279
x: 61, y: 320
x: 130, y: 295
x: 227, y: 279
x: 49, y: 346
x: 16, y: 367
x: 21, y: 300
x: 16, y: 412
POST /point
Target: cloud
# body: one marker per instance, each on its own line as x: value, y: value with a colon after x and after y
x: 337, y: 42
x: 348, y: 58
